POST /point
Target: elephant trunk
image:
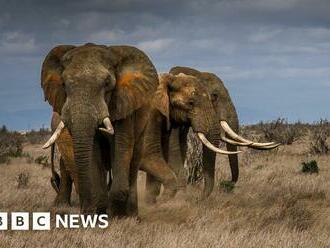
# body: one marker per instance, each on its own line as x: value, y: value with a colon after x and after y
x: 209, y: 157
x: 83, y: 132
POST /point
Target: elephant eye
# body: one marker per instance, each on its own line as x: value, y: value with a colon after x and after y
x: 214, y: 97
x: 110, y: 81
x: 191, y: 103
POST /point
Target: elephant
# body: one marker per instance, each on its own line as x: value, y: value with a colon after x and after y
x: 68, y: 170
x: 228, y: 123
x: 102, y: 95
x: 180, y: 102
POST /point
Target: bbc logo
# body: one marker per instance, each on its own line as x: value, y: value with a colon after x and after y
x: 21, y: 221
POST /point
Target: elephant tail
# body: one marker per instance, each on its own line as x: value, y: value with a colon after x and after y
x: 55, y: 180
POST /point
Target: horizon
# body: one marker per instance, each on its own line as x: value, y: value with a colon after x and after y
x: 273, y: 56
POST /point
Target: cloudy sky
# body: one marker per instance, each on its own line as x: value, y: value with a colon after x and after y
x: 273, y: 55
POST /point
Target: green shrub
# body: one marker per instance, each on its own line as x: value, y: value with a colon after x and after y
x: 310, y: 167
x: 227, y: 186
x: 11, y: 144
x: 43, y: 160
x: 28, y: 157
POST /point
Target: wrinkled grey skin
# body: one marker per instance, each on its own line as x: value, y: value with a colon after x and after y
x: 190, y: 105
x: 225, y: 110
x: 223, y: 106
x: 86, y: 84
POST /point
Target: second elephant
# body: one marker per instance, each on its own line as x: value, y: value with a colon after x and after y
x: 227, y: 125
x: 181, y: 101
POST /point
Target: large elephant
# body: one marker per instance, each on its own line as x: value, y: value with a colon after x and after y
x: 98, y: 89
x: 180, y: 102
x: 227, y: 125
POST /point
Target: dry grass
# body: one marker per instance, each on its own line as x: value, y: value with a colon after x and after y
x: 273, y: 205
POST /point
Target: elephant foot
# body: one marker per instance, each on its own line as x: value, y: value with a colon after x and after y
x: 102, y: 210
x: 168, y: 194
x: 132, y: 208
x: 132, y: 212
x: 118, y: 203
x: 62, y: 201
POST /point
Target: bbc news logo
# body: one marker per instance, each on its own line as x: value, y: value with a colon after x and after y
x: 41, y: 221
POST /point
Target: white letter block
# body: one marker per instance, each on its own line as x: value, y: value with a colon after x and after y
x: 19, y: 221
x: 3, y: 221
x: 41, y: 221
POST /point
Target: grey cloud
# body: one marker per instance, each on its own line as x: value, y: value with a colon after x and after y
x: 261, y: 48
x: 17, y: 43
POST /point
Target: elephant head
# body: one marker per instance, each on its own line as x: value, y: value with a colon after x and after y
x: 226, y: 114
x: 185, y: 101
x: 90, y: 87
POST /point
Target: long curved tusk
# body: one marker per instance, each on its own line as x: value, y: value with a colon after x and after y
x: 55, y: 135
x: 108, y: 126
x: 209, y: 145
x: 265, y: 147
x: 234, y: 142
x: 234, y: 135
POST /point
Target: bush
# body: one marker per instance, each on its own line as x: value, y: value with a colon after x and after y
x: 320, y: 134
x: 11, y: 144
x: 37, y: 137
x: 28, y: 157
x: 227, y: 186
x: 22, y: 180
x: 42, y: 160
x: 281, y: 131
x: 310, y: 167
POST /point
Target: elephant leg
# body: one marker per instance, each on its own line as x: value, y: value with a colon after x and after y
x: 153, y: 187
x: 64, y: 195
x: 208, y: 171
x: 177, y: 154
x: 99, y: 174
x: 162, y: 173
x: 123, y: 148
x: 132, y: 208
x: 183, y: 148
x: 233, y: 162
x: 132, y: 204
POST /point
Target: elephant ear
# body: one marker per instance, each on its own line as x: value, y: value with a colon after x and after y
x: 161, y: 100
x: 51, y: 77
x: 136, y: 81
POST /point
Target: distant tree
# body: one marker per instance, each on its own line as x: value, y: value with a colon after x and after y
x: 3, y: 129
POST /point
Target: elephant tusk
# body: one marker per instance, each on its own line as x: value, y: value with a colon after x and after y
x: 55, y: 135
x: 108, y: 126
x: 265, y: 147
x: 234, y: 142
x: 209, y: 145
x: 235, y: 136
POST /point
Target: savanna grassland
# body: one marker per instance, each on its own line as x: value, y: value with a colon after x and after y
x: 274, y: 204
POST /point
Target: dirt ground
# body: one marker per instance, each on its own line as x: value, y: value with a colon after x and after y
x: 273, y: 205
